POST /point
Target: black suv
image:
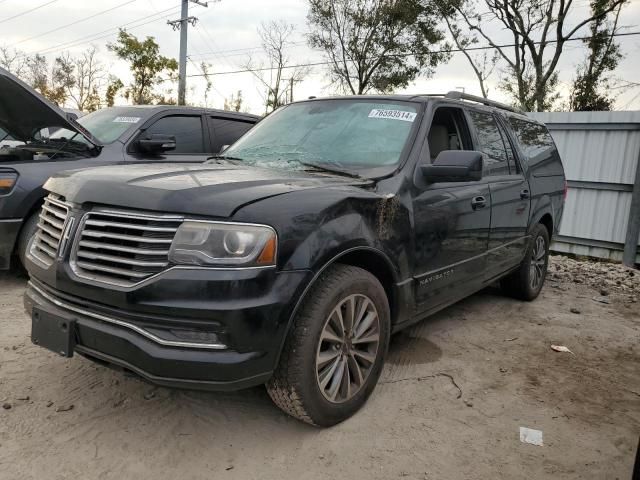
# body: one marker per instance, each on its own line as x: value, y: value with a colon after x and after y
x: 110, y: 136
x: 292, y: 258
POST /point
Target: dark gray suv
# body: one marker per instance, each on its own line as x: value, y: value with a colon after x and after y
x: 118, y: 135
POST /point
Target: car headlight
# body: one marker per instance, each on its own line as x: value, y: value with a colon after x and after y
x: 223, y: 244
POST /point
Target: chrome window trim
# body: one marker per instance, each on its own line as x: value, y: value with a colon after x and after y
x: 120, y: 323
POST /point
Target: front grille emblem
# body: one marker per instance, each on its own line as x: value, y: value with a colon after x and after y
x: 66, y: 236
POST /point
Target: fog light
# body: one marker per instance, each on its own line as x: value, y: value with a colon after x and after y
x: 196, y: 336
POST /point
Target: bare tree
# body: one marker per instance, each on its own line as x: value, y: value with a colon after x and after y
x: 83, y: 78
x: 275, y: 37
x: 13, y: 60
x: 483, y: 64
x: 539, y: 30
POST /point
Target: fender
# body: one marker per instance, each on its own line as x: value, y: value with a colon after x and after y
x: 316, y: 276
x: 542, y: 206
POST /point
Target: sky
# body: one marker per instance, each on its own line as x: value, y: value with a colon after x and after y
x: 225, y: 36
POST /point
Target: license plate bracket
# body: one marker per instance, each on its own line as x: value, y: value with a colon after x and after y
x: 53, y: 332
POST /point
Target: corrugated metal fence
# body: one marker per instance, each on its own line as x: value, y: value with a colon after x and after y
x: 600, y: 152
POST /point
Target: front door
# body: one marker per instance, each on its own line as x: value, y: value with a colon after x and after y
x: 451, y: 222
x: 192, y: 145
x: 509, y: 194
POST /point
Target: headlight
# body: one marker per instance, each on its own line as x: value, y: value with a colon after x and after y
x: 223, y: 244
x: 7, y: 181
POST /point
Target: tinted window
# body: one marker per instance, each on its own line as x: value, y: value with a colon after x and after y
x: 490, y: 143
x: 514, y: 168
x: 186, y: 129
x: 534, y: 140
x: 226, y: 132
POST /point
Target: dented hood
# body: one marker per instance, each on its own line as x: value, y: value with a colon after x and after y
x: 23, y: 112
x: 211, y: 189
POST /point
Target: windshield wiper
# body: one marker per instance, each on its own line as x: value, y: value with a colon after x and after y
x: 224, y: 157
x: 324, y: 167
x: 57, y: 145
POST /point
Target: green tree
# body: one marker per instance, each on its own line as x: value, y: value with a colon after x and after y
x: 113, y: 87
x: 376, y: 45
x: 234, y: 104
x: 146, y: 65
x: 49, y: 82
x: 590, y: 89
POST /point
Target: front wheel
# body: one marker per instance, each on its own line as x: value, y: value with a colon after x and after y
x: 335, y: 350
x: 527, y: 281
x: 29, y: 229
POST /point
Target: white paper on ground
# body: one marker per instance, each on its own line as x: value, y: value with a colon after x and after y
x: 529, y: 435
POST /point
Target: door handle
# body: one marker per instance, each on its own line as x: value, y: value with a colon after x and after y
x: 525, y: 194
x: 478, y: 202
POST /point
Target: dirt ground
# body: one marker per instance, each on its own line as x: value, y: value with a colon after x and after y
x: 456, y: 389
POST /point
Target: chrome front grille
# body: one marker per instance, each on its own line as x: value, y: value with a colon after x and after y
x: 51, y: 224
x: 123, y: 248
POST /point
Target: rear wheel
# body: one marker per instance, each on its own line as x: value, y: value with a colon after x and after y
x: 335, y: 350
x: 527, y: 281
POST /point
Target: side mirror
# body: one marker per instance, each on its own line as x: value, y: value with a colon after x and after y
x: 224, y: 147
x: 157, y: 143
x: 454, y: 166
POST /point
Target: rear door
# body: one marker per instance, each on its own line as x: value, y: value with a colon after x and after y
x: 451, y: 222
x: 510, y: 195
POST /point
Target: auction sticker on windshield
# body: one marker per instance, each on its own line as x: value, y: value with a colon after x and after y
x: 393, y: 114
x: 126, y: 120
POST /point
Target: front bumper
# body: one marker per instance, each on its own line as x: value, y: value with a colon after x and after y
x: 9, y: 230
x: 237, y: 347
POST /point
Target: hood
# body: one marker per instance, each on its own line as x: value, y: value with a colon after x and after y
x: 23, y: 111
x: 210, y: 190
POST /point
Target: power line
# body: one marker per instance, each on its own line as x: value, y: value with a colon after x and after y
x: 92, y: 37
x: 245, y: 49
x: 74, y: 23
x: 28, y: 11
x: 449, y: 50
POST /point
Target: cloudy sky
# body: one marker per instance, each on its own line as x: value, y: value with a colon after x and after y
x: 225, y: 36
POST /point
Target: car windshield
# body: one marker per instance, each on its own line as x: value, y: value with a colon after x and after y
x: 107, y: 125
x: 347, y: 134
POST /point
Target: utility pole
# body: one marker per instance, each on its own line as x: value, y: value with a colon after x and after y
x: 181, y: 25
x: 292, y: 81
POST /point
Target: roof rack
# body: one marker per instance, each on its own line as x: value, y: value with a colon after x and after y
x: 457, y: 95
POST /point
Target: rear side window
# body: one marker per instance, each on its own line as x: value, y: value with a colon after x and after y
x: 226, y: 131
x: 186, y: 128
x: 490, y: 143
x: 534, y: 140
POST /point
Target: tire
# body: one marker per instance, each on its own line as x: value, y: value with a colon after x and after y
x: 304, y: 384
x: 29, y: 229
x: 526, y: 282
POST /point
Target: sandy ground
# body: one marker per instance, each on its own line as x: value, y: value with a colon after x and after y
x: 456, y: 389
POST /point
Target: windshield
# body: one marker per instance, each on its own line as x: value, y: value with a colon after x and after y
x: 107, y: 125
x: 344, y: 134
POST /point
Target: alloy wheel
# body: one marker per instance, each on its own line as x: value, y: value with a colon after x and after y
x: 348, y: 348
x: 538, y: 263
